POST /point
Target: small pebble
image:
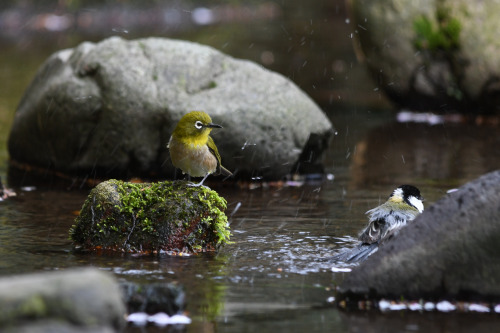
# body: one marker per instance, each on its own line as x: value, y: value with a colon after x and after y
x: 160, y: 318
x: 398, y: 307
x: 28, y: 188
x: 445, y: 306
x: 429, y: 306
x: 384, y: 305
x: 180, y: 319
x: 415, y: 306
x: 478, y: 308
x: 138, y: 318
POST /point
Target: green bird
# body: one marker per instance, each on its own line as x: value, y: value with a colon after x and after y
x: 193, y: 150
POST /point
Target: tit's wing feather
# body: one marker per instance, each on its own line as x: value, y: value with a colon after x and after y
x: 373, y: 232
x: 385, y: 220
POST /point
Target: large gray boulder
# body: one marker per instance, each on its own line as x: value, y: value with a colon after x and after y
x: 109, y: 109
x: 75, y: 300
x: 432, y: 54
x: 451, y: 249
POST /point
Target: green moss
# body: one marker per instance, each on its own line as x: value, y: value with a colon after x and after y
x: 34, y: 307
x: 438, y: 38
x: 152, y: 217
x: 216, y: 205
x: 439, y: 34
x: 211, y: 85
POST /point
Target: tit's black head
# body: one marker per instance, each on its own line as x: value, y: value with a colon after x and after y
x: 409, y: 194
x: 410, y: 190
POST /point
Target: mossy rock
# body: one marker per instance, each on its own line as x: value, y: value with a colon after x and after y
x: 444, y: 55
x: 151, y: 218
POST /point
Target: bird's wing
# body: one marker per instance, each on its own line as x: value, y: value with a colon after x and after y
x: 379, y: 224
x: 373, y: 232
x: 213, y: 149
x: 386, y: 220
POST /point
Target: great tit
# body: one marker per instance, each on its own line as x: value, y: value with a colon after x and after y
x: 404, y: 204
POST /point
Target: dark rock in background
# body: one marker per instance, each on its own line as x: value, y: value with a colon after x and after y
x: 432, y: 55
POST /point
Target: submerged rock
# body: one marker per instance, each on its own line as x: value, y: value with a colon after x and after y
x: 432, y: 54
x: 108, y: 109
x: 450, y: 250
x: 153, y: 298
x: 151, y: 218
x: 76, y: 300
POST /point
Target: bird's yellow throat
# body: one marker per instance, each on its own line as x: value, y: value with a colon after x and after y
x: 195, y: 140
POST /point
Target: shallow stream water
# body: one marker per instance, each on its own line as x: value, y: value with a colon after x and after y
x: 274, y: 276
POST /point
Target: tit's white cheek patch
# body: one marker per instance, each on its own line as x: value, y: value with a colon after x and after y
x: 417, y: 203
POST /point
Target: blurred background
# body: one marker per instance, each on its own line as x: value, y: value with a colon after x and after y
x: 310, y: 43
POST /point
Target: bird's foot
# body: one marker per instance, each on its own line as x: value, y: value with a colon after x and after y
x: 198, y: 185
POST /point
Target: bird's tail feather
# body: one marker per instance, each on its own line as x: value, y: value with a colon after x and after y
x: 225, y: 172
x: 356, y: 254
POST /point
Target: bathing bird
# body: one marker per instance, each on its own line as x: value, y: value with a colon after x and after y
x: 404, y: 204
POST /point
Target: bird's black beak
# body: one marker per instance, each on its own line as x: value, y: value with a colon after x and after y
x: 212, y: 125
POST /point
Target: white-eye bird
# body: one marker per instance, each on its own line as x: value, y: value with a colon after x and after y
x: 193, y: 150
x: 403, y: 206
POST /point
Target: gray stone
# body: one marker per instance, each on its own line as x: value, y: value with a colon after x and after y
x: 432, y: 54
x: 451, y: 249
x: 109, y: 109
x: 84, y: 298
x: 156, y: 297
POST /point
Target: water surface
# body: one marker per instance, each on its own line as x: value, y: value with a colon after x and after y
x: 274, y: 276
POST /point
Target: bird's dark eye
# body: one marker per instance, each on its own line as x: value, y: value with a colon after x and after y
x: 198, y: 124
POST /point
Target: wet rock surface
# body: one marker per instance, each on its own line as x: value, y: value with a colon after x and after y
x: 154, y: 297
x: 108, y: 110
x: 151, y: 218
x: 77, y: 300
x: 450, y: 250
x: 432, y: 55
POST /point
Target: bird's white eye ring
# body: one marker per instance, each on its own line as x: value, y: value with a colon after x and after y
x: 198, y: 124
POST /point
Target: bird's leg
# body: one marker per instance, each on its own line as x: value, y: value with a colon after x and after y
x: 200, y: 183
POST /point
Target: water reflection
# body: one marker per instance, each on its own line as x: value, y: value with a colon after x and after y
x: 374, y: 322
x: 411, y: 152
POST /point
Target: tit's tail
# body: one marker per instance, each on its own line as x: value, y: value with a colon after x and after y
x: 356, y: 254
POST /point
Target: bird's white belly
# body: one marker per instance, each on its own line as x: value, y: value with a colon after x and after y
x: 195, y: 160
